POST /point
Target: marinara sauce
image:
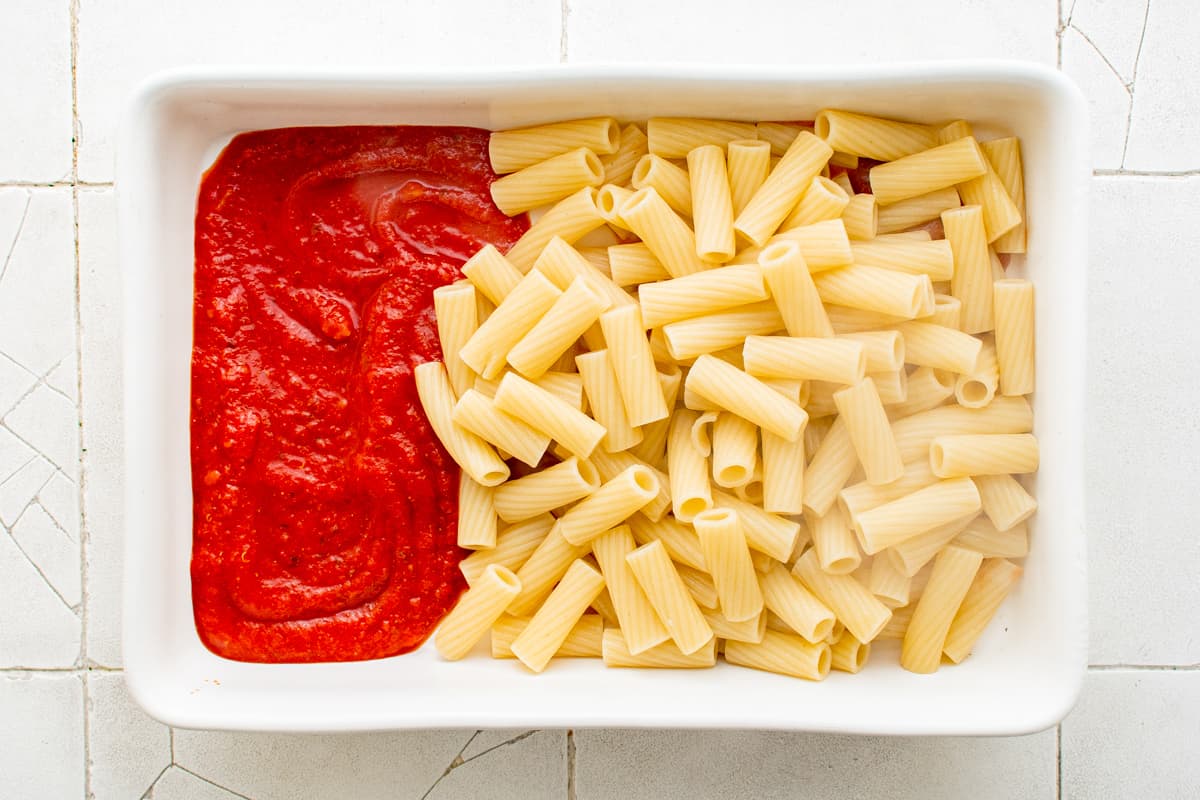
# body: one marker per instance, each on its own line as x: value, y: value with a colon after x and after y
x: 325, y: 509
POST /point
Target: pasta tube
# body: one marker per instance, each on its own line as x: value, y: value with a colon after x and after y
x: 724, y: 546
x: 870, y: 432
x: 476, y: 515
x: 552, y: 623
x: 983, y: 454
x: 547, y: 181
x: 638, y: 621
x: 991, y: 586
x: 793, y: 291
x: 927, y: 171
x: 784, y: 654
x: 712, y: 203
x: 519, y: 148
x: 938, y: 504
x: 612, y: 503
x: 749, y: 163
x: 481, y: 606
x: 663, y: 656
x: 953, y: 571
x: 734, y: 390
x: 1013, y: 303
x: 471, y: 453
x: 670, y: 598
x: 872, y: 137
x: 543, y: 491
x: 782, y: 189
x: 633, y: 364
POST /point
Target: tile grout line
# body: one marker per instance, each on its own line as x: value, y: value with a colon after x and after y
x: 1058, y: 761
x: 73, y: 14
x: 571, y: 792
x: 56, y: 184
x: 564, y: 13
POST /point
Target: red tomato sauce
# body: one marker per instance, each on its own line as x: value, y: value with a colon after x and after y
x: 325, y: 509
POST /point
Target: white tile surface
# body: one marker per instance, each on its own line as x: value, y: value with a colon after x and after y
x: 1133, y: 734
x: 41, y: 736
x: 99, y: 286
x: 531, y: 767
x: 179, y: 784
x: 53, y: 550
x: 772, y: 31
x: 35, y: 44
x: 1143, y: 547
x: 703, y: 765
x: 363, y: 766
x: 39, y: 629
x: 122, y: 43
x: 1165, y: 129
x: 1130, y: 736
x: 1107, y: 95
x: 37, y: 279
x: 127, y: 750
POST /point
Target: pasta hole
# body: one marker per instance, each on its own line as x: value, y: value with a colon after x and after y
x: 606, y: 202
x: 821, y: 126
x: 641, y: 170
x: 860, y: 655
x: 695, y: 507
x: 824, y: 661
x: 937, y: 457
x: 612, y: 135
x: 733, y: 475
x: 973, y: 393
x: 494, y: 477
x: 843, y: 566
x: 823, y: 629
x: 644, y: 480
x: 504, y: 575
x: 594, y: 166
x: 898, y: 351
x: 714, y: 515
x: 944, y: 378
x: 588, y: 472
x: 777, y: 252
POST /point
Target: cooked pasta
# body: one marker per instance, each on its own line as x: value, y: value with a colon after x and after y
x: 570, y: 219
x: 723, y: 543
x: 782, y: 189
x: 514, y: 150
x: 470, y: 452
x: 822, y: 200
x: 638, y: 621
x: 539, y: 492
x: 514, y: 545
x: 712, y: 203
x: 675, y: 137
x: 793, y: 291
x: 553, y: 622
x: 749, y: 162
x: 671, y: 182
x: 927, y: 171
x: 872, y: 137
x: 670, y: 598
x: 476, y: 515
x: 1013, y: 304
x: 547, y: 181
x: 481, y: 606
x: 780, y: 452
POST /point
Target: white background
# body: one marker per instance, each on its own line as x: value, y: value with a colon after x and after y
x: 67, y: 728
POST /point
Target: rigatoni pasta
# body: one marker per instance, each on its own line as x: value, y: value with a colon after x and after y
x: 661, y: 362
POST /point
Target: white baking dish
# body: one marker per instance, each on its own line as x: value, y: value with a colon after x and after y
x: 1026, y: 671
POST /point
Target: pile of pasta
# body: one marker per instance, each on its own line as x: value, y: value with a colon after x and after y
x: 714, y: 401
